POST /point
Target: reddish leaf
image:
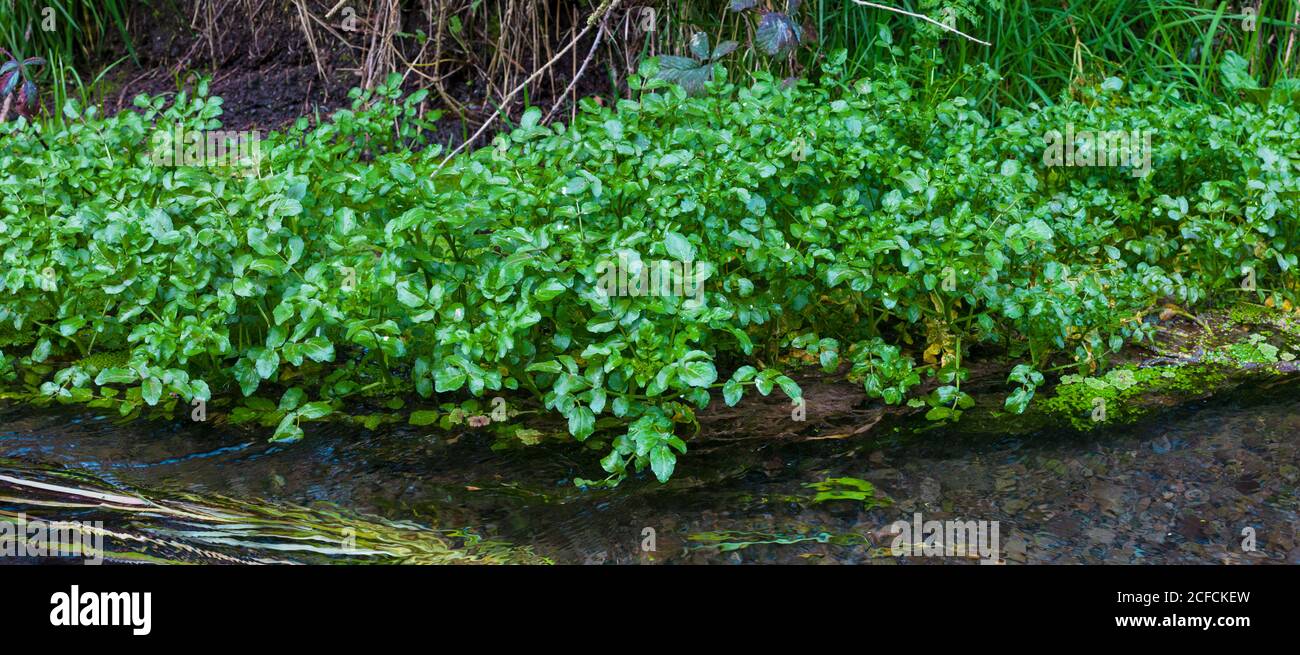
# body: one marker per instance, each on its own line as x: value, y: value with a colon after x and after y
x: 7, y: 83
x: 27, y: 99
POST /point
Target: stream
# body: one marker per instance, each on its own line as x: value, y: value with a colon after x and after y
x: 1188, y: 486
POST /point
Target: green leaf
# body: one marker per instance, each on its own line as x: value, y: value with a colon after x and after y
x: 532, y: 116
x: 315, y: 410
x: 275, y: 337
x: 789, y: 387
x: 151, y: 391
x: 42, y: 351
x: 449, y: 378
x: 687, y: 72
x: 287, y: 430
x: 700, y: 45
x: 268, y: 362
x: 1038, y: 230
x: 548, y: 290
x: 544, y: 367
x: 292, y: 399
x: 731, y: 392
x: 115, y: 376
x: 1235, y: 72
x: 318, y: 349
x: 1019, y: 400
x: 679, y: 247
x: 199, y: 390
x: 698, y: 374
x: 723, y: 49
x: 614, y: 130
x: 402, y: 172
x: 246, y: 375
x: 662, y: 462
x: 582, y: 422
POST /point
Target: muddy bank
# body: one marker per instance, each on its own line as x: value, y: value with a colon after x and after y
x: 1196, y: 454
x: 273, y: 62
x: 1191, y: 359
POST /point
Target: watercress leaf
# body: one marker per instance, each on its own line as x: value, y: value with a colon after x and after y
x: 424, y: 417
x: 582, y: 422
x: 679, y: 247
x: 151, y: 390
x: 698, y: 373
x: 318, y: 349
x: 115, y: 376
x: 731, y: 392
x: 662, y: 462
x: 315, y: 410
x: 287, y: 430
x: 449, y: 378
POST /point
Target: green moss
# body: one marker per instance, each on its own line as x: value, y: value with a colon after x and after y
x: 102, y: 360
x: 1090, y: 401
x: 1251, y: 314
x: 1255, y: 350
x: 1124, y: 394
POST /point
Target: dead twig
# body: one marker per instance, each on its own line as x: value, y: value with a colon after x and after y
x: 559, y: 101
x: 602, y: 12
x: 311, y: 39
x: 922, y: 17
x: 1290, y: 43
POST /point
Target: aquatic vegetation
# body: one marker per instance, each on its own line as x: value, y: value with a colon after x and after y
x: 1256, y: 350
x: 1126, y: 393
x: 1114, y: 397
x: 847, y: 489
x: 730, y: 540
x: 726, y: 541
x: 184, y: 528
x: 625, y: 270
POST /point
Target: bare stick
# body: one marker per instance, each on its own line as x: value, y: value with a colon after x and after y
x: 577, y: 76
x: 922, y: 17
x: 330, y: 13
x: 505, y: 102
x: 311, y: 40
x: 1290, y: 43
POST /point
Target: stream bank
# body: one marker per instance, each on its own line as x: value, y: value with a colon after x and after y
x: 1179, y: 487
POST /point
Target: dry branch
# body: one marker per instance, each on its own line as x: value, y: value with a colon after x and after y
x: 599, y: 16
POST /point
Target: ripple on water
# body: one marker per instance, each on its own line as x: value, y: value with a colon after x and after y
x: 1176, y: 489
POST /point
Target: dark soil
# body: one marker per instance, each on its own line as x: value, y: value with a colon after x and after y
x: 269, y: 74
x: 256, y: 54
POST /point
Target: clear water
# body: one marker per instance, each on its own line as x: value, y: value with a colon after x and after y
x: 1181, y: 488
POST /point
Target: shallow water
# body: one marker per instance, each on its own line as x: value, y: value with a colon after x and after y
x: 1180, y: 488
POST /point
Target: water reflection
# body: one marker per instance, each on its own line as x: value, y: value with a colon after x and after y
x: 1188, y: 488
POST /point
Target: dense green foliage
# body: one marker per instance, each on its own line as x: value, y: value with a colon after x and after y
x: 880, y: 235
x: 1039, y: 50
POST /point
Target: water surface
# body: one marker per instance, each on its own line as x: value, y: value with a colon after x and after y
x: 1180, y: 488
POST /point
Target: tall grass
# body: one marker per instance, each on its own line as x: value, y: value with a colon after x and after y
x: 1039, y: 47
x: 71, y: 30
x: 473, y: 53
x: 65, y: 84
